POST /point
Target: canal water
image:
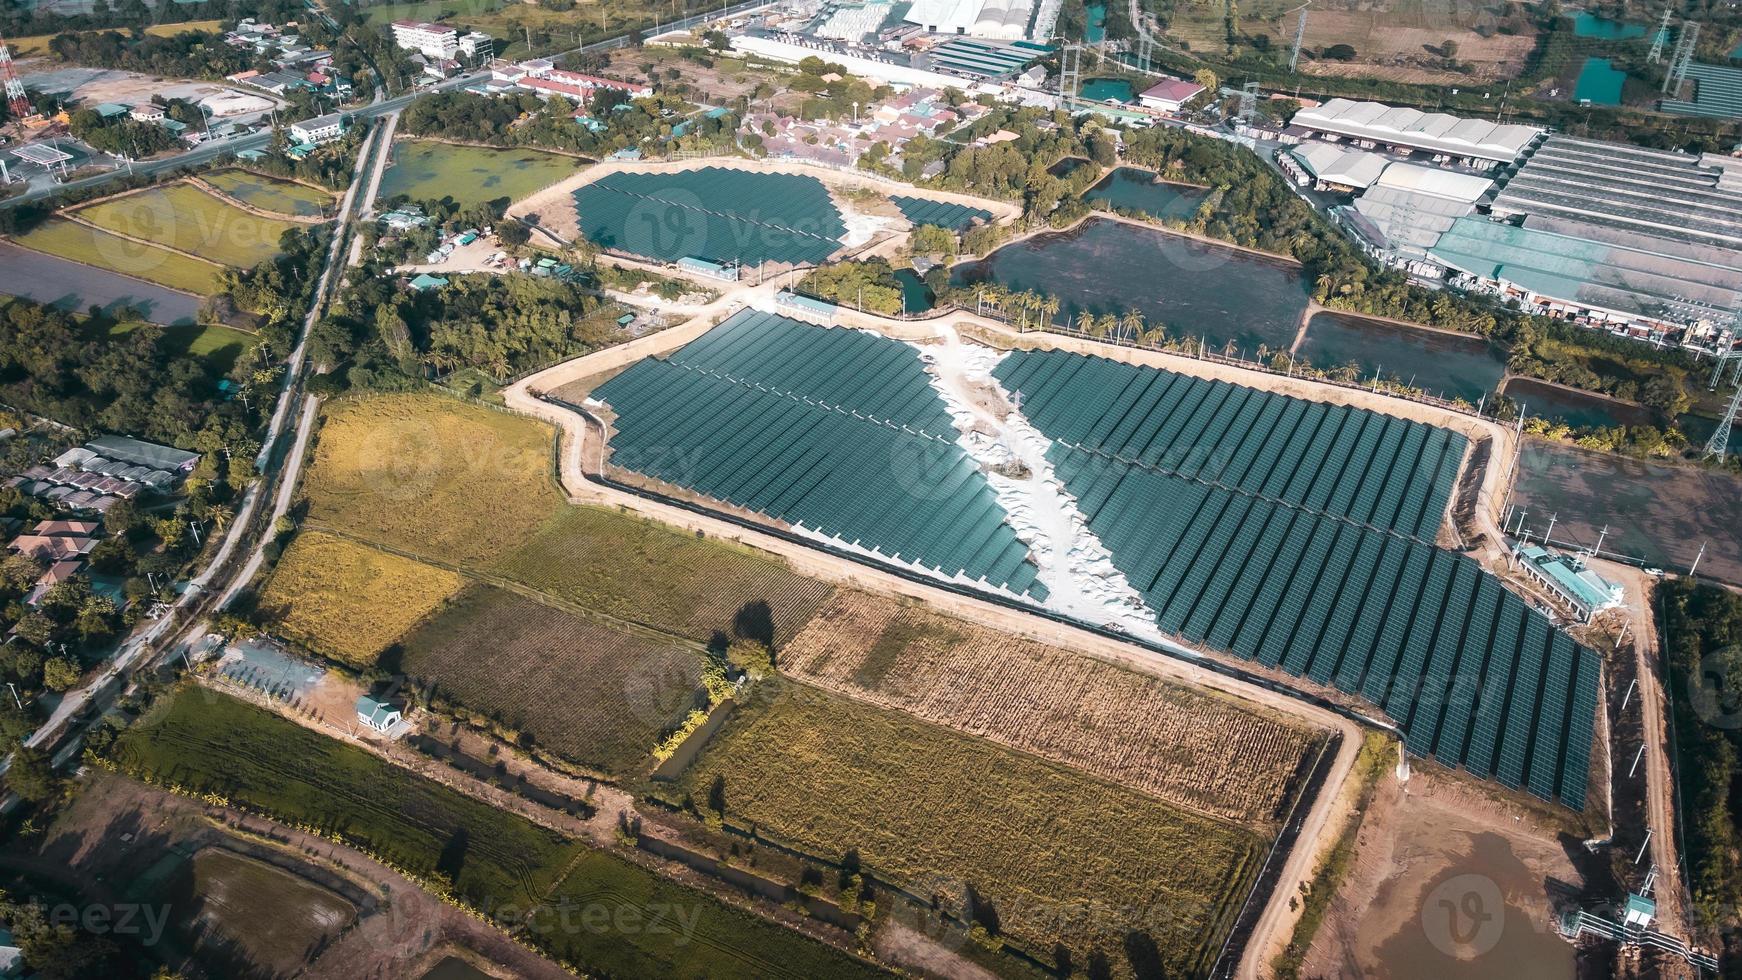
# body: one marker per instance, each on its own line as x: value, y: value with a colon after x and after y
x: 916, y: 296
x: 1448, y: 365
x: 1193, y: 288
x: 1131, y: 189
x: 1576, y: 408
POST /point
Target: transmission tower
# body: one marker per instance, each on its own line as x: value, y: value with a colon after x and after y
x: 1685, y: 41
x: 1070, y: 75
x: 1248, y: 101
x: 1659, y: 39
x: 16, y: 103
x: 1299, y: 37
x: 1719, y: 445
x: 1145, y: 54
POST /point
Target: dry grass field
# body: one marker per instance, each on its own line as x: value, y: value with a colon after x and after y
x: 644, y: 572
x: 1185, y: 746
x: 593, y: 694
x: 1054, y: 856
x: 348, y: 601
x: 431, y: 475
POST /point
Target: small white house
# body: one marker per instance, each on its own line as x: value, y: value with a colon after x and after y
x: 319, y: 130
x: 381, y: 715
x: 146, y: 112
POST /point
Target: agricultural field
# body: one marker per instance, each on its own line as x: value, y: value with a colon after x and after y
x: 348, y: 601
x: 76, y: 288
x: 206, y: 742
x: 82, y: 243
x: 1054, y: 856
x: 726, y: 943
x: 252, y: 912
x: 185, y: 218
x: 644, y: 572
x: 1191, y: 748
x: 432, y: 476
x: 203, y: 742
x: 36, y: 45
x: 1395, y: 40
x: 471, y: 175
x: 594, y: 694
x: 271, y: 193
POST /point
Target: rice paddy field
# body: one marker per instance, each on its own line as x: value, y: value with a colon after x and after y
x: 203, y: 741
x: 185, y: 218
x: 424, y: 170
x: 91, y: 246
x: 1189, y: 747
x: 1301, y: 535
x: 714, y: 213
x: 1053, y: 856
x: 431, y: 475
x: 348, y: 601
x: 271, y: 193
x: 250, y: 912
x: 596, y: 694
x: 76, y: 288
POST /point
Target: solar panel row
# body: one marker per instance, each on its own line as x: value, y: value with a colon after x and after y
x: 1388, y: 472
x: 955, y: 217
x: 1300, y: 536
x: 760, y: 440
x: 714, y: 213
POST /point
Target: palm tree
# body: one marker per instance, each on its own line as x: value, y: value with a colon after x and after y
x: 220, y: 515
x: 1106, y: 324
x: 1085, y: 322
x: 1132, y: 323
x: 1050, y: 306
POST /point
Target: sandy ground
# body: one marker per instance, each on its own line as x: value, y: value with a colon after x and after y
x: 554, y: 206
x: 94, y: 85
x: 1439, y: 836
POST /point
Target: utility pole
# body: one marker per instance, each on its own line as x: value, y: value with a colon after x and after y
x: 1299, y: 37
x: 1695, y: 567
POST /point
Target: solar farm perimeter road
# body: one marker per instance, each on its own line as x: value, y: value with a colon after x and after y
x: 208, y: 152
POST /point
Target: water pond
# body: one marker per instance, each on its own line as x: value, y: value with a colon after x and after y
x: 1444, y: 364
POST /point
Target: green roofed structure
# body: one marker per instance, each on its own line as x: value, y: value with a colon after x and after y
x: 1300, y: 535
x: 837, y: 432
x: 1716, y: 91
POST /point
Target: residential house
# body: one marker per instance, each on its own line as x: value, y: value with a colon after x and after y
x: 320, y: 130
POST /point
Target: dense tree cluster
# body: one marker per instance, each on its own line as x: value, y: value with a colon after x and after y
x: 869, y: 285
x: 524, y: 120
x: 122, y: 135
x: 187, y: 54
x: 380, y: 338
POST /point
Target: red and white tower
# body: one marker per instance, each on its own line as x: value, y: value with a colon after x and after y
x: 16, y: 103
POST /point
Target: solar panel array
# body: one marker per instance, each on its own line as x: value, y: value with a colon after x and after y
x: 834, y: 430
x: 955, y: 217
x: 1299, y: 535
x: 713, y: 213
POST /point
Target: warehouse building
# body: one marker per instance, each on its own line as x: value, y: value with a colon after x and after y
x: 1448, y: 138
x: 1004, y: 19
x: 1333, y: 168
x: 1409, y: 207
x: 1649, y: 192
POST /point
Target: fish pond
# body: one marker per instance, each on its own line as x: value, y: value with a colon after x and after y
x: 1131, y: 189
x: 1579, y: 409
x: 1444, y: 364
x: 1194, y: 288
x: 470, y: 175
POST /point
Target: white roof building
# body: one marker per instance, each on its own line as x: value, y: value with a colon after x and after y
x: 1338, y: 166
x: 1004, y: 19
x: 1433, y: 132
x: 1409, y: 207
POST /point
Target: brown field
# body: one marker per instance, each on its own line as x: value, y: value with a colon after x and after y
x: 349, y: 601
x: 431, y: 475
x: 594, y: 694
x: 641, y: 571
x: 252, y: 912
x: 1187, y: 747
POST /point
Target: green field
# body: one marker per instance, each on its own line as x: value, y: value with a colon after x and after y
x: 82, y: 243
x: 1057, y: 857
x: 594, y: 694
x: 708, y: 939
x: 210, y: 742
x: 219, y: 346
x: 186, y: 218
x: 271, y: 193
x: 645, y: 572
x: 471, y: 175
x: 594, y: 910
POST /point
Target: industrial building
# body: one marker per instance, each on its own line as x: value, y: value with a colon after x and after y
x: 1004, y: 19
x: 1447, y: 137
x: 1330, y: 167
x: 1404, y: 213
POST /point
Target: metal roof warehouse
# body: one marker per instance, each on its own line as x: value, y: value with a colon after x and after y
x: 1435, y: 132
